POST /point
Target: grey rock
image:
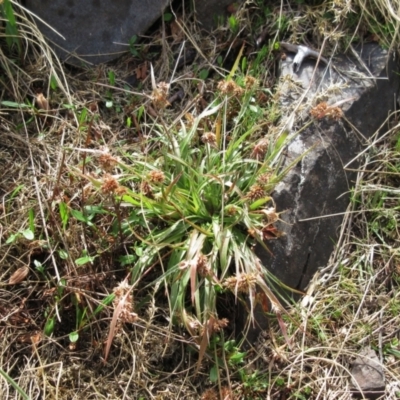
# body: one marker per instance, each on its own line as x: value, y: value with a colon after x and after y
x: 315, y: 193
x: 368, y: 378
x: 94, y: 31
x: 99, y: 31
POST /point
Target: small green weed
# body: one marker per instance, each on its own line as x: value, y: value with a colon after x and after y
x: 133, y: 46
x: 254, y: 385
x: 304, y: 394
x: 233, y: 24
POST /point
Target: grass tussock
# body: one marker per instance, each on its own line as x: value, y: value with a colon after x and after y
x: 128, y: 216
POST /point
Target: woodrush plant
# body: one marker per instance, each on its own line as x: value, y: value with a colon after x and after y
x: 198, y: 203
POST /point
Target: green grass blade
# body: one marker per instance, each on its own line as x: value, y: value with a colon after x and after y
x: 14, y: 384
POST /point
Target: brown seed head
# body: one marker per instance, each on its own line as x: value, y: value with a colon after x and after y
x: 335, y: 113
x: 256, y: 192
x: 264, y: 178
x: 319, y: 111
x: 324, y: 110
x: 210, y: 394
x: 230, y: 88
x: 241, y: 282
x: 220, y: 324
x: 107, y: 161
x: 124, y: 299
x: 120, y: 191
x: 156, y: 177
x: 202, y: 266
x: 231, y: 210
x: 160, y: 95
x: 146, y: 189
x: 227, y: 394
x: 259, y: 149
x: 251, y: 82
x: 110, y: 184
x: 209, y: 137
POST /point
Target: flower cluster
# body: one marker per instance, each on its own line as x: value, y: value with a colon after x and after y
x: 124, y: 300
x: 251, y: 82
x: 324, y: 110
x: 160, y: 95
x: 109, y: 185
x: 242, y: 283
x: 107, y: 161
x: 230, y: 88
x: 210, y: 138
x: 256, y: 192
x: 156, y: 176
x: 259, y: 149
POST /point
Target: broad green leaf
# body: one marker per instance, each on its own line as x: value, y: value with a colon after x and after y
x: 63, y: 254
x: 237, y: 357
x: 53, y: 82
x: 12, y: 238
x: 84, y: 260
x: 28, y: 234
x: 49, y: 327
x: 13, y: 104
x: 236, y: 63
x: 214, y: 374
x: 73, y: 337
x: 167, y: 17
x: 79, y: 216
x: 82, y: 116
x: 203, y: 74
